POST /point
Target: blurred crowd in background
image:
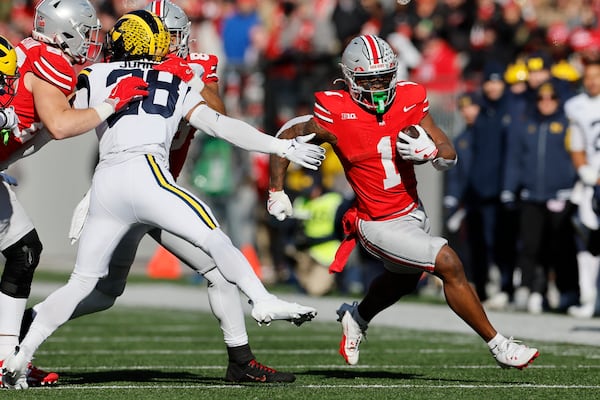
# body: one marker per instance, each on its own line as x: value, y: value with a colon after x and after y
x: 482, y: 61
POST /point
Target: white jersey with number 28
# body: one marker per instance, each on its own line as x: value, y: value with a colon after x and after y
x: 145, y: 126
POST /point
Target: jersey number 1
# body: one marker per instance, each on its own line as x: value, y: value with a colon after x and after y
x: 385, y: 150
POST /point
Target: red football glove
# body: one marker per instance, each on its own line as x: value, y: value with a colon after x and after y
x: 181, y: 69
x: 176, y: 66
x: 127, y: 90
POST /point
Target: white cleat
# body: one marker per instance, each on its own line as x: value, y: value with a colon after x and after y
x: 352, y: 333
x: 511, y: 354
x: 266, y: 311
x: 14, y: 371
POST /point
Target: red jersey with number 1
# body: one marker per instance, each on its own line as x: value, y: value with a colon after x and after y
x: 385, y: 185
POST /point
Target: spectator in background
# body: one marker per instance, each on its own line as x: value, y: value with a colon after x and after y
x: 491, y: 229
x: 458, y: 17
x: 408, y: 55
x: 295, y: 60
x: 439, y: 69
x: 483, y: 36
x: 539, y: 68
x: 348, y: 18
x: 241, y: 57
x: 426, y: 20
x: 539, y: 176
x: 316, y: 241
x: 457, y: 178
x: 515, y: 77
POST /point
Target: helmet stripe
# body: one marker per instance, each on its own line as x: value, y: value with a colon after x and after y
x: 158, y: 7
x: 373, y: 48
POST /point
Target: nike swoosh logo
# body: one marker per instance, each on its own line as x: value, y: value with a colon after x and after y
x: 262, y: 378
x: 407, y: 109
x: 417, y: 151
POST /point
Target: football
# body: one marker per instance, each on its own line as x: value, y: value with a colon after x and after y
x: 413, y: 132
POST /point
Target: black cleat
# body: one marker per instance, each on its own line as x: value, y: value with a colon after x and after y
x: 256, y: 372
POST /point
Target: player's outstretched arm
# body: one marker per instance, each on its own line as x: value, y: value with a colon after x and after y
x: 63, y: 122
x: 249, y: 138
x: 278, y: 203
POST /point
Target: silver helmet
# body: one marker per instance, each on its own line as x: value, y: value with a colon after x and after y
x: 72, y: 25
x: 177, y: 23
x: 369, y: 66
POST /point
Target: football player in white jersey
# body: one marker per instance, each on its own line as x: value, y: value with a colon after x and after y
x: 132, y: 184
x: 224, y: 296
x: 65, y: 33
x: 583, y: 112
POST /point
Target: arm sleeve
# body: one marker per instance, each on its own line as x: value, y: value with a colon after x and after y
x: 236, y: 132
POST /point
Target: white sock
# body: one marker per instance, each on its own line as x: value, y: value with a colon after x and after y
x: 7, y: 345
x: 226, y: 306
x: 11, y: 314
x: 588, y: 266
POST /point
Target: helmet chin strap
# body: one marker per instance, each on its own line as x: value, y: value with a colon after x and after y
x: 379, y: 99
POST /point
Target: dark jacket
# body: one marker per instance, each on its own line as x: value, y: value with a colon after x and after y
x: 538, y: 165
x: 489, y: 134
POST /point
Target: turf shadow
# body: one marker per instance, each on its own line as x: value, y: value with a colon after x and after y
x: 135, y: 375
x: 354, y: 374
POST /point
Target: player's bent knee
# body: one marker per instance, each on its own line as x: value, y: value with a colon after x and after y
x: 448, y: 264
x: 111, y: 287
x: 21, y: 260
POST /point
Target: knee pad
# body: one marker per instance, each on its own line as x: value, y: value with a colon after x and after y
x: 21, y: 260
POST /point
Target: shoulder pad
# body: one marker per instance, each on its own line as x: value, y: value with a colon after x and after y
x: 209, y: 62
x: 51, y: 65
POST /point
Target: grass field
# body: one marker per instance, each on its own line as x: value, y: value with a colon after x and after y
x: 128, y: 353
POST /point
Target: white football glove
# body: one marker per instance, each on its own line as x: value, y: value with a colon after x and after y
x: 588, y: 175
x: 300, y: 152
x: 79, y: 217
x: 279, y: 205
x: 416, y: 149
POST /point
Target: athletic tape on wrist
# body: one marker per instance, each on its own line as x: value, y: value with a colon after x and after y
x: 104, y: 110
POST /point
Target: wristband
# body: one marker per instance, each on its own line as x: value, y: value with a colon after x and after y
x: 442, y: 164
x: 104, y: 110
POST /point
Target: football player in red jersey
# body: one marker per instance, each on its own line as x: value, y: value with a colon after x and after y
x: 65, y: 33
x: 364, y: 123
x: 224, y: 296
